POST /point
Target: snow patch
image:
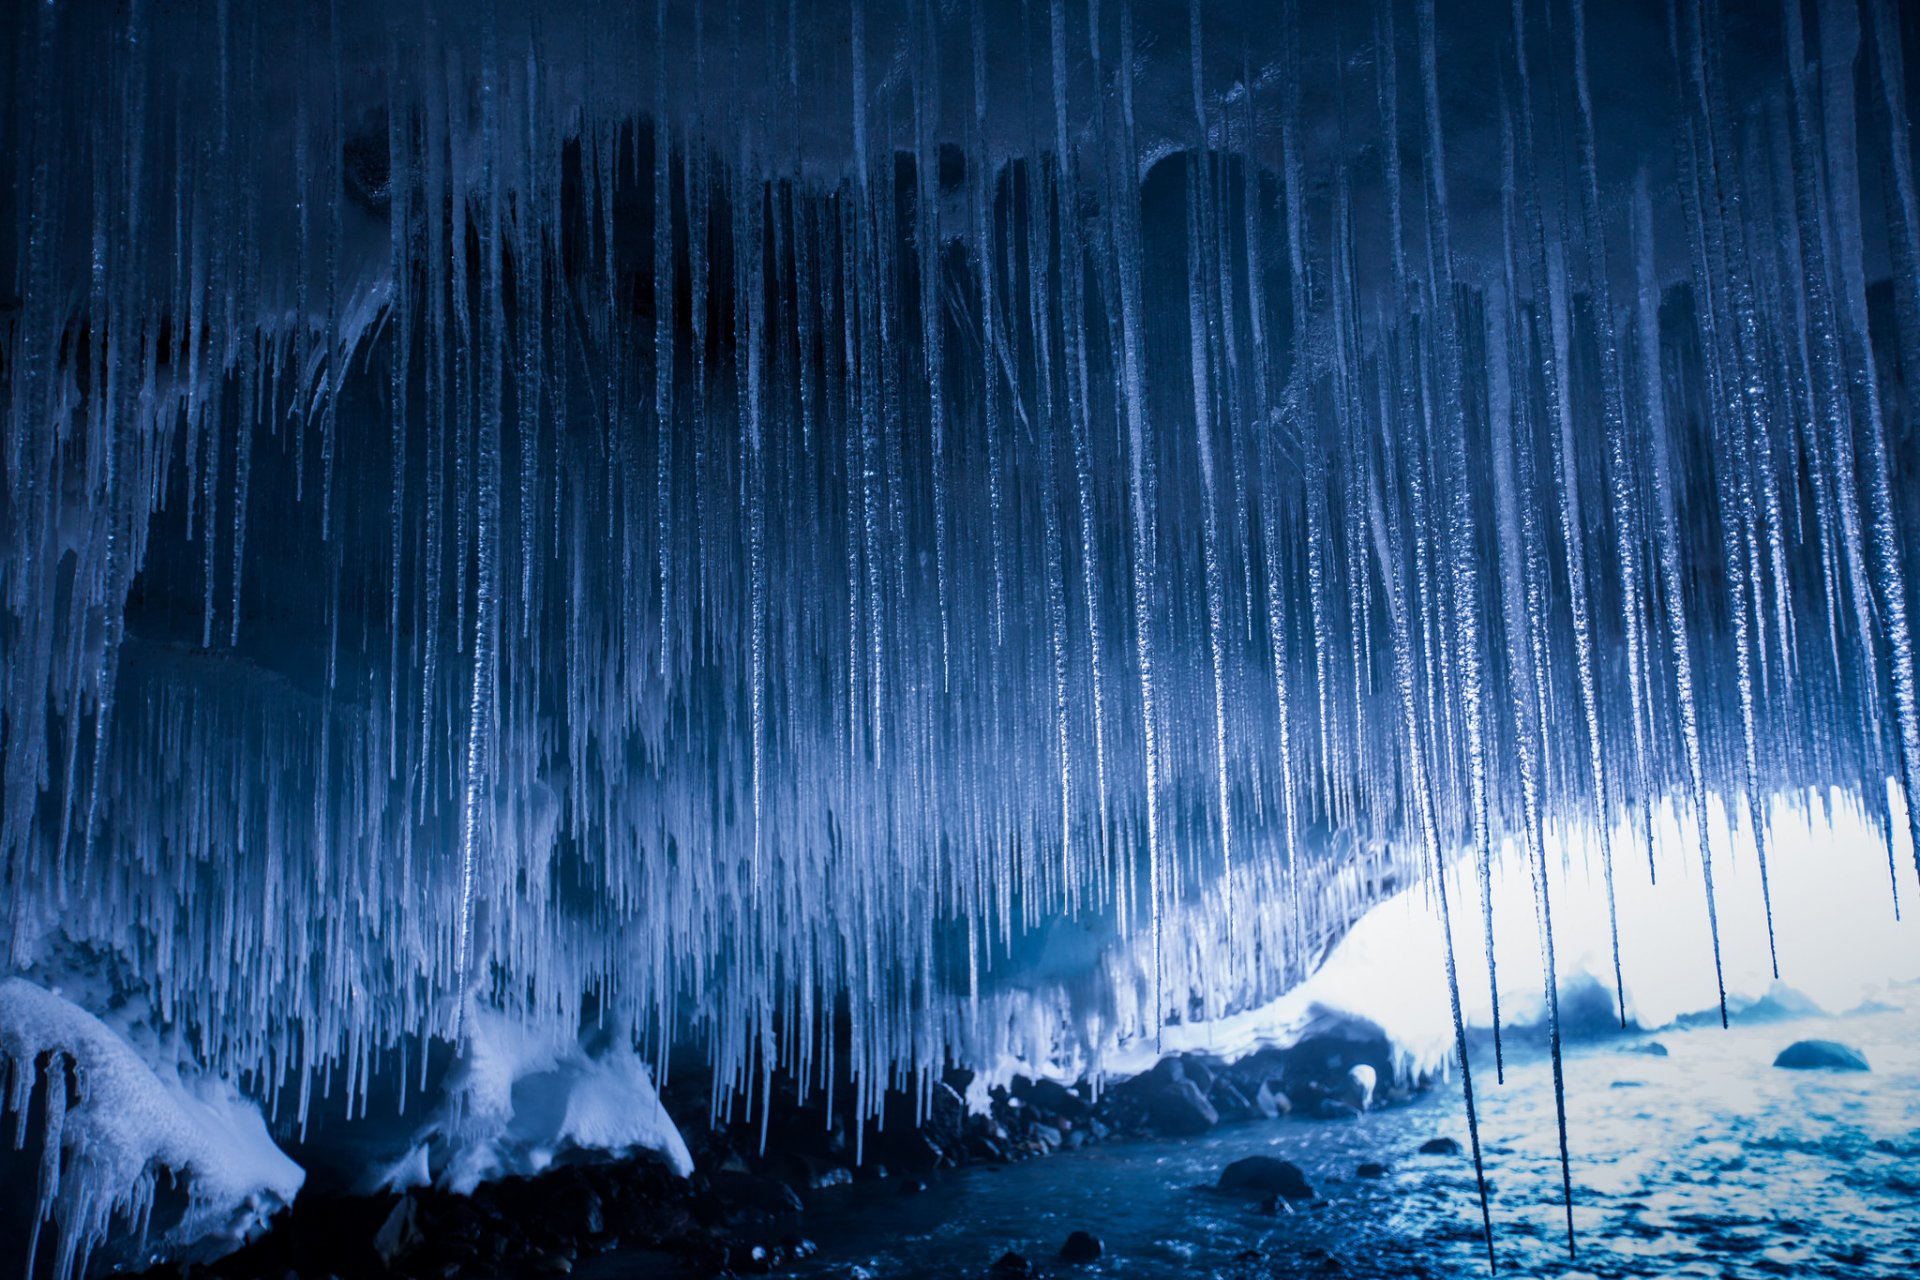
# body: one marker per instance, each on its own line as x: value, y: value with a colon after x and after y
x: 521, y: 1097
x: 114, y: 1126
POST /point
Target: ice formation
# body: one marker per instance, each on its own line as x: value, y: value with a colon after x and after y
x: 518, y: 1099
x: 707, y: 519
x: 115, y: 1135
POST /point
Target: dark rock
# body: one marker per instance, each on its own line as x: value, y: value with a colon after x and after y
x: 1229, y: 1101
x: 1082, y: 1246
x: 1048, y: 1137
x: 1166, y: 1072
x: 1372, y: 1169
x: 400, y: 1233
x: 1181, y: 1109
x: 1051, y: 1095
x: 913, y: 1186
x: 985, y: 1148
x: 1266, y: 1175
x: 1652, y: 1048
x: 755, y: 1193
x: 1012, y: 1266
x: 570, y: 1208
x: 1821, y: 1055
x: 1199, y: 1072
x: 1440, y: 1147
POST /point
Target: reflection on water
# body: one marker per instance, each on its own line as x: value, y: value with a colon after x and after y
x: 1707, y: 1162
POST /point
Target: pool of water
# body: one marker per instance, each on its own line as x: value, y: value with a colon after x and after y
x: 1707, y: 1162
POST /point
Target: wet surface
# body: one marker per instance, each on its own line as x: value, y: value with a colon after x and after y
x: 1707, y: 1162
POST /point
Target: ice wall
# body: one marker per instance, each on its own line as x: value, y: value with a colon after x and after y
x: 728, y: 516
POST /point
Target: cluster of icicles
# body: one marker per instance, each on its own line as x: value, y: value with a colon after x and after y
x: 730, y: 513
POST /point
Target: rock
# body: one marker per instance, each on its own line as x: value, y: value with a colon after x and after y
x: 399, y: 1233
x: 754, y: 1192
x: 1652, y: 1048
x: 1050, y: 1095
x: 913, y: 1186
x: 1082, y: 1246
x: 568, y: 1207
x: 1821, y: 1055
x: 1181, y: 1109
x: 1266, y: 1175
x: 1357, y: 1090
x: 1372, y: 1169
x: 805, y: 1172
x: 1440, y: 1147
x: 1271, y: 1102
x: 1199, y: 1072
x: 984, y: 1148
x: 1012, y: 1266
x: 1048, y: 1136
x: 1229, y: 1101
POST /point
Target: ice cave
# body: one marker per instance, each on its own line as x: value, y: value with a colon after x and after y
x: 959, y: 638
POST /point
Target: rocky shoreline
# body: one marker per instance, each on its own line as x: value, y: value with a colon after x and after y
x: 744, y: 1209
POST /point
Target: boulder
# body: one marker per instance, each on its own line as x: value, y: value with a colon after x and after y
x: 1181, y: 1109
x: 1271, y: 1102
x: 1440, y: 1147
x: 1372, y: 1169
x: 1229, y: 1101
x: 1652, y: 1048
x: 1357, y: 1088
x: 1821, y: 1055
x: 400, y: 1233
x: 1051, y: 1095
x: 1011, y: 1266
x: 1266, y: 1175
x: 752, y: 1192
x: 1166, y: 1072
x: 1082, y: 1246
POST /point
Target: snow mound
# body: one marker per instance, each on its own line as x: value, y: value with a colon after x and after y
x: 113, y: 1127
x: 521, y: 1098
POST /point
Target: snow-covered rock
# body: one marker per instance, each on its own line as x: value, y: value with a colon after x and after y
x: 115, y: 1128
x: 520, y: 1097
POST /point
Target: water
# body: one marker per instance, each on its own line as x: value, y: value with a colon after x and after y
x: 1708, y: 1162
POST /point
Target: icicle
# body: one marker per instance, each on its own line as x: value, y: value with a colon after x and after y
x: 1667, y: 539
